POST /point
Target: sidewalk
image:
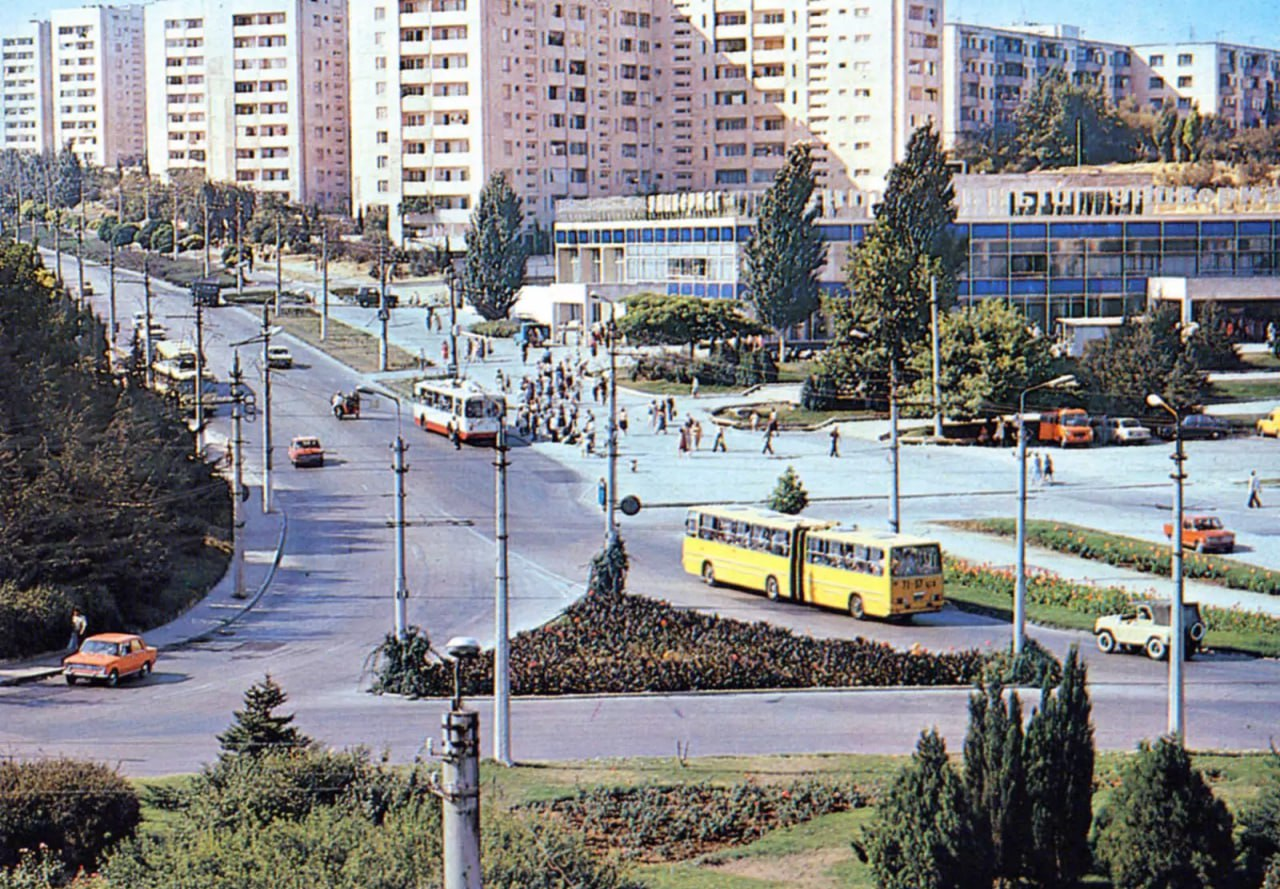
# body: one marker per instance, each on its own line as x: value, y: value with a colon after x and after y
x: 264, y: 537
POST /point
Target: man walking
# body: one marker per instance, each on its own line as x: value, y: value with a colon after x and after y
x: 79, y: 626
x: 718, y: 446
x: 1255, y: 490
x: 835, y: 442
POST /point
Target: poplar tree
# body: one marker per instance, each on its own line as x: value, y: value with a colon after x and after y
x: 496, y: 251
x: 257, y: 729
x: 1059, y: 759
x: 1192, y: 134
x: 995, y: 780
x: 782, y: 258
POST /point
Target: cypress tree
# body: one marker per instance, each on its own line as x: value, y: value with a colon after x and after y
x: 496, y: 252
x: 994, y: 777
x: 781, y: 261
x: 924, y: 836
x: 257, y: 730
x: 1059, y: 772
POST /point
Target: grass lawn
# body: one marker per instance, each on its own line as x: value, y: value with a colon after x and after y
x: 667, y: 387
x: 1261, y: 361
x: 1244, y: 390
x: 352, y: 346
x: 790, y: 416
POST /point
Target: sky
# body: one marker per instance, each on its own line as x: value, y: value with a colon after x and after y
x: 1252, y: 22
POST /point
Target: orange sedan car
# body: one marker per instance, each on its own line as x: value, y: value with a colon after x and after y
x: 110, y: 657
x: 306, y: 450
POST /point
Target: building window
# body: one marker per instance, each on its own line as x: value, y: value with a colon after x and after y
x: 1184, y: 82
x: 1156, y: 61
x: 1186, y: 58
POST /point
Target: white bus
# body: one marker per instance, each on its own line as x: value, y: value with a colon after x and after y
x: 477, y: 413
x: 173, y: 368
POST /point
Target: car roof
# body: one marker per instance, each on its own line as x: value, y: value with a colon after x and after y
x: 113, y: 637
x: 300, y: 438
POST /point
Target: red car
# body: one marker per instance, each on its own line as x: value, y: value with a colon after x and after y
x: 1204, y: 534
x: 110, y: 657
x: 305, y: 450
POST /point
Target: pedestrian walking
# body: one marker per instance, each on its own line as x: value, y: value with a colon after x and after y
x: 453, y: 434
x: 835, y: 442
x: 697, y: 435
x: 768, y: 441
x: 1048, y: 469
x: 79, y: 627
x: 693, y: 387
x: 682, y: 447
x: 671, y: 407
x: 431, y: 317
x: 444, y: 351
x: 1037, y: 473
x: 755, y: 421
x: 719, y: 442
x: 622, y: 420
x: 1001, y: 432
x: 1255, y: 490
x: 524, y: 352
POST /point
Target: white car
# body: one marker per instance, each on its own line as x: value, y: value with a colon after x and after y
x: 1127, y: 430
x: 279, y: 357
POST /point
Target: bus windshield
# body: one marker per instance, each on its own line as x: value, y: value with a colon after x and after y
x: 917, y: 561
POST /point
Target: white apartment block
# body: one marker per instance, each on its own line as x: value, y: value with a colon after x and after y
x: 97, y: 74
x: 990, y: 72
x: 26, y: 92
x: 252, y: 92
x: 1230, y: 81
x: 595, y: 98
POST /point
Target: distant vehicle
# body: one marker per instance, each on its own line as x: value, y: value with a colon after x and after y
x: 1197, y: 426
x: 86, y: 290
x: 279, y: 357
x: 371, y: 298
x: 206, y: 293
x: 345, y: 405
x: 110, y: 657
x: 1147, y: 628
x: 1068, y: 426
x: 1270, y: 424
x: 1127, y: 430
x: 534, y: 333
x: 1204, y: 534
x: 305, y: 450
x: 476, y: 413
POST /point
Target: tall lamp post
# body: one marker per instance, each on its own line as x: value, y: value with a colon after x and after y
x: 1177, y: 628
x: 611, y: 495
x: 1020, y: 585
x: 264, y: 337
x: 398, y: 447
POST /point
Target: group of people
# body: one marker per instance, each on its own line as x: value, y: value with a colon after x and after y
x: 551, y: 404
x: 1041, y: 468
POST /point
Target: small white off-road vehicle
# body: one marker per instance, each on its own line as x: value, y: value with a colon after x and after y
x: 1147, y: 627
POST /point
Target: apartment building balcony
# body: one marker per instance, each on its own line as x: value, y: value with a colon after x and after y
x: 426, y: 18
x: 769, y: 56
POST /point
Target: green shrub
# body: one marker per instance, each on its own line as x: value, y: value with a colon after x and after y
x: 78, y: 809
x: 1260, y: 829
x: 525, y: 853
x: 1034, y: 667
x: 789, y: 496
x: 503, y: 327
x: 609, y: 569
x: 818, y: 393
x: 35, y: 619
x: 125, y: 234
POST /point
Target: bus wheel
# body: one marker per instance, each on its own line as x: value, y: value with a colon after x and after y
x: 856, y: 609
x: 771, y: 588
x: 708, y: 574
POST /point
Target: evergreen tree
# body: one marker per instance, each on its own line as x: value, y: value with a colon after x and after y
x: 257, y: 730
x: 1163, y: 828
x: 1061, y: 120
x: 496, y: 253
x: 1192, y: 134
x: 70, y: 180
x: 924, y: 835
x: 1166, y: 131
x: 609, y: 569
x: 789, y: 496
x: 995, y: 780
x: 1260, y: 829
x: 1141, y: 356
x: 782, y: 258
x: 1059, y: 756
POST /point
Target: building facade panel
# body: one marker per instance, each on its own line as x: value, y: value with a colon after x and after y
x: 26, y: 93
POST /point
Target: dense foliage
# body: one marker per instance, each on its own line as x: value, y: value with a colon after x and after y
x: 496, y: 250
x: 789, y: 495
x: 78, y: 810
x: 658, y: 319
x: 106, y: 507
x: 258, y: 729
x: 680, y: 821
x: 1260, y: 829
x: 726, y: 365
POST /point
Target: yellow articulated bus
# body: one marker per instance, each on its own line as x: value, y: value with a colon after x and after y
x: 866, y: 573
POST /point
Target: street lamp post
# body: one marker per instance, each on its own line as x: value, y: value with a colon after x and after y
x: 611, y: 495
x: 264, y: 336
x: 1177, y: 628
x: 398, y: 447
x: 1020, y: 584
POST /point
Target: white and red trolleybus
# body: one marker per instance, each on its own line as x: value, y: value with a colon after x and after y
x: 477, y: 413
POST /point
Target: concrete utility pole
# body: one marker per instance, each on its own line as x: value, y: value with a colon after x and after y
x: 237, y: 468
x: 112, y: 324
x: 384, y: 313
x: 204, y: 197
x: 1177, y: 622
x: 174, y: 223
x: 279, y: 279
x: 455, y: 289
x: 402, y: 587
x: 266, y: 410
x: 199, y: 387
x: 80, y: 252
x: 239, y: 249
x: 149, y: 371
x: 324, y: 280
x: 611, y: 499
x: 894, y: 450
x: 57, y: 246
x: 937, y: 357
x: 459, y: 788
x: 501, y: 628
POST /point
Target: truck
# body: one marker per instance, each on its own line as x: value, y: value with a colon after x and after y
x: 1147, y: 628
x: 371, y: 298
x: 1067, y: 426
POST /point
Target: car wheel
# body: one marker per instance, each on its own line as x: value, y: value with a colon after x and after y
x: 856, y: 609
x: 1156, y: 649
x: 337, y: 412
x: 320, y: 462
x: 1106, y: 642
x: 145, y: 671
x: 708, y: 574
x: 771, y: 588
x: 71, y: 680
x: 114, y: 679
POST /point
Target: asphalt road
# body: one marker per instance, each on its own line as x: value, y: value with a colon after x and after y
x: 331, y: 602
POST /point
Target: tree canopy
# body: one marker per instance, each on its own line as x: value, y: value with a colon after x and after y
x: 496, y: 250
x: 656, y: 319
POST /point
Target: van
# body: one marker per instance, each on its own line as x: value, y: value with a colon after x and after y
x: 1066, y: 426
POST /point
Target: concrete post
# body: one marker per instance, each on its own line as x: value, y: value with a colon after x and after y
x: 1177, y: 628
x: 266, y: 410
x: 501, y: 629
x: 402, y: 587
x: 237, y: 474
x: 460, y: 788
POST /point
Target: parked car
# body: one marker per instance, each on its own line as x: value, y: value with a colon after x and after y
x: 110, y: 657
x: 1069, y: 426
x: 1204, y: 534
x: 371, y: 298
x: 1127, y: 430
x: 305, y: 450
x: 1147, y: 628
x: 279, y: 357
x: 1270, y: 424
x: 1197, y: 426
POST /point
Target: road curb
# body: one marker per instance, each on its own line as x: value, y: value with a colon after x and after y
x: 35, y: 674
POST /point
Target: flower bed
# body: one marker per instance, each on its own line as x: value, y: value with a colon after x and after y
x: 1129, y: 552
x: 623, y: 644
x: 678, y: 822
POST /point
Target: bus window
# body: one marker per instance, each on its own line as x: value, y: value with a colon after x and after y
x: 917, y: 561
x: 781, y: 543
x: 475, y: 408
x: 691, y: 522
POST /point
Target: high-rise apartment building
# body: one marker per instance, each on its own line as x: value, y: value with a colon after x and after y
x: 593, y: 98
x: 97, y: 75
x: 252, y: 92
x: 990, y: 72
x: 26, y: 93
x: 1239, y: 84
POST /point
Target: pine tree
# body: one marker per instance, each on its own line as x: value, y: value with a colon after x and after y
x: 789, y: 496
x: 1163, y: 828
x: 496, y: 252
x: 1165, y: 133
x: 1260, y: 829
x: 1192, y: 134
x: 1059, y: 756
x: 257, y: 730
x: 70, y: 179
x: 782, y: 258
x: 924, y: 835
x: 995, y: 780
